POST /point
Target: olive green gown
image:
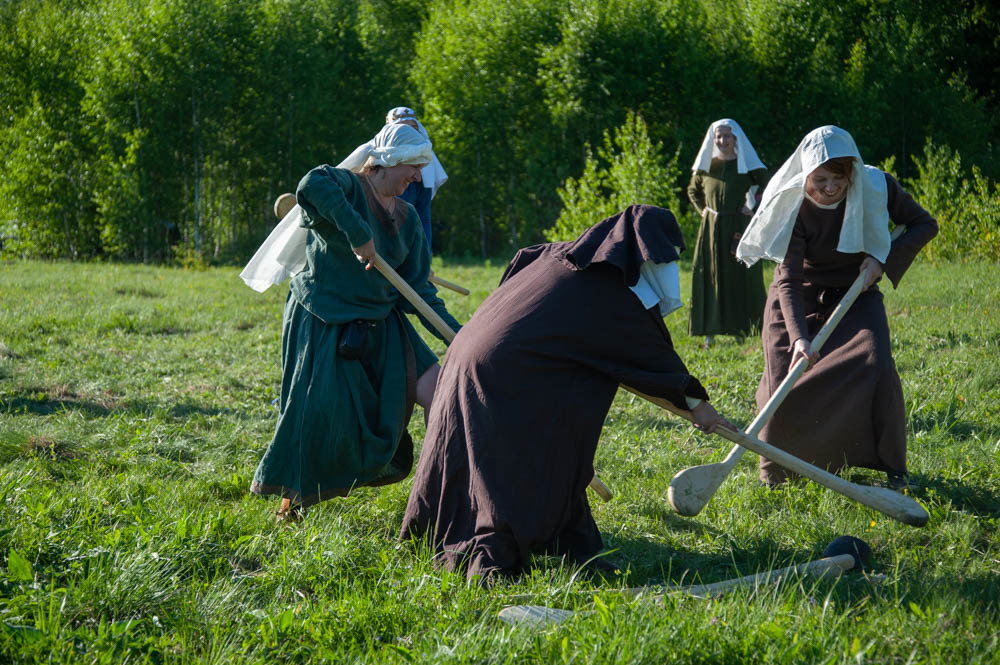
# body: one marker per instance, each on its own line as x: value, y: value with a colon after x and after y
x: 727, y: 298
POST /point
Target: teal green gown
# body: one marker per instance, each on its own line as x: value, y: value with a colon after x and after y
x: 342, y: 423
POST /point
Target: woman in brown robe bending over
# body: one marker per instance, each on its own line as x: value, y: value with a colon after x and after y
x: 527, y: 384
x: 825, y: 218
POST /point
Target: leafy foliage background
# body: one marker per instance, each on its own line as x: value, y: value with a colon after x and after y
x: 156, y: 130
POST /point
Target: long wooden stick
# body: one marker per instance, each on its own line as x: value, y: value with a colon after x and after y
x: 691, y: 489
x: 828, y: 566
x: 414, y: 299
x: 434, y: 279
x: 897, y: 506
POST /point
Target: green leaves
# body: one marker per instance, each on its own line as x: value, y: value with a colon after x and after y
x: 629, y: 168
x: 18, y: 567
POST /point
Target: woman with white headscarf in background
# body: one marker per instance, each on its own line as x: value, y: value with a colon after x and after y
x: 352, y: 364
x: 726, y: 297
x: 824, y: 218
x: 420, y: 192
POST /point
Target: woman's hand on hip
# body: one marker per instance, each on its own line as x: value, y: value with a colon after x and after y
x: 874, y: 268
x: 366, y: 253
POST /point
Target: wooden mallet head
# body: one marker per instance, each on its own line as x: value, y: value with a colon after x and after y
x: 283, y: 204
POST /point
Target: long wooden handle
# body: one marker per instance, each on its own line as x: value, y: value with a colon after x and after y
x: 897, y: 506
x: 413, y: 297
x: 786, y: 385
x: 434, y: 279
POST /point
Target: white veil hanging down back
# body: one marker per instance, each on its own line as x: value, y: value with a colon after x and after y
x: 746, y: 157
x: 283, y: 253
x: 866, y: 219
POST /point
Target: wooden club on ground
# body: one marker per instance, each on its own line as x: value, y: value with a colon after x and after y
x: 841, y: 555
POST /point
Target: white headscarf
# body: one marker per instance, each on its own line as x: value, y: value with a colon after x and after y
x: 866, y: 218
x: 283, y: 253
x: 432, y: 175
x: 659, y: 284
x: 746, y: 157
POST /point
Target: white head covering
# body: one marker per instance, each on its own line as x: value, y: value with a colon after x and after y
x: 394, y: 144
x: 432, y: 175
x: 283, y: 253
x: 659, y: 284
x: 746, y: 157
x: 866, y: 218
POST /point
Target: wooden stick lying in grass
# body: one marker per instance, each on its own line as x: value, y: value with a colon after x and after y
x: 421, y: 306
x: 897, y: 506
x: 539, y: 615
x: 692, y: 488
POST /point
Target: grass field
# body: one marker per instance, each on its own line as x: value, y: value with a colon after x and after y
x: 135, y: 402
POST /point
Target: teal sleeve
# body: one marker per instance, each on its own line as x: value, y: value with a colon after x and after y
x: 324, y: 193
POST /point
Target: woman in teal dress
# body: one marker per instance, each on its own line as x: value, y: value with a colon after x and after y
x: 352, y: 364
x: 727, y: 298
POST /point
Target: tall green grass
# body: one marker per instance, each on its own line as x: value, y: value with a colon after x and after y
x: 135, y: 403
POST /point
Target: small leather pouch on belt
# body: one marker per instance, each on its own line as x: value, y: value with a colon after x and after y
x: 352, y: 339
x: 831, y: 295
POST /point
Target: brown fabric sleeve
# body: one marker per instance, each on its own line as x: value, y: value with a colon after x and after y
x: 644, y: 358
x: 788, y: 277
x: 920, y: 229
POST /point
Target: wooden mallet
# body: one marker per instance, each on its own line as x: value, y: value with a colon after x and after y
x: 897, y: 506
x: 842, y: 554
x: 691, y: 489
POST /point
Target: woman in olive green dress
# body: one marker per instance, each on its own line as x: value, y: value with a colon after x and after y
x: 727, y: 298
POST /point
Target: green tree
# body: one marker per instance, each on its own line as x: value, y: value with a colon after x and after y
x: 475, y: 68
x: 628, y: 168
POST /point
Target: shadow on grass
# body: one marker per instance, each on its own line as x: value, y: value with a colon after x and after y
x: 643, y: 563
x: 963, y: 496
x: 659, y: 564
x: 40, y: 403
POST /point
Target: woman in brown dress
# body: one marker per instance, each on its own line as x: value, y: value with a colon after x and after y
x: 824, y: 218
x: 527, y: 383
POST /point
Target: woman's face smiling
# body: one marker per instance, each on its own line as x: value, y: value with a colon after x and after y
x: 725, y: 141
x: 826, y: 187
x: 398, y: 178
